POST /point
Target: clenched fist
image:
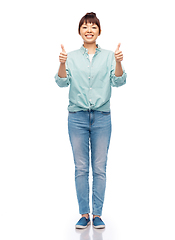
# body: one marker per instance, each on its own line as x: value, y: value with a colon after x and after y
x: 118, y: 54
x: 63, y: 55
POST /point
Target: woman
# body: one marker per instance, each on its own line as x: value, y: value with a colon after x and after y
x: 90, y: 72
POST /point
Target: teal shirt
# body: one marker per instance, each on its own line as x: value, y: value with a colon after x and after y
x: 90, y: 82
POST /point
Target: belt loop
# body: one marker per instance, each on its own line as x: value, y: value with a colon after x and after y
x: 93, y: 116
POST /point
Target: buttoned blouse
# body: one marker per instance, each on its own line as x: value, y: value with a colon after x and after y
x: 90, y: 82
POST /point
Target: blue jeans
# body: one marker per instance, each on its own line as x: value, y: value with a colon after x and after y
x: 90, y: 131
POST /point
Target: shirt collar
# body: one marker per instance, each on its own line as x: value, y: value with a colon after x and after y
x: 84, y: 50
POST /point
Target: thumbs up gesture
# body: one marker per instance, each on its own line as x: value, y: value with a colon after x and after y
x: 118, y: 54
x: 63, y: 55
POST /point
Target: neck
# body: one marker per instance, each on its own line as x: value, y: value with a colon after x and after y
x: 91, y: 47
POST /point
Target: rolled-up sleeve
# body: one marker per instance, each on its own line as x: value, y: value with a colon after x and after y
x: 63, y: 82
x: 117, y: 81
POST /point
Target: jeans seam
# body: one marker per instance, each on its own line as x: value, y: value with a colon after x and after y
x: 93, y: 196
x: 90, y: 119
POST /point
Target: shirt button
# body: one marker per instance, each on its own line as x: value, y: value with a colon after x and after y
x: 89, y: 77
x: 90, y: 100
x: 90, y: 88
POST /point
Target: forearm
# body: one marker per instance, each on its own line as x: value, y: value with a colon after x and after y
x: 118, y: 69
x: 62, y: 71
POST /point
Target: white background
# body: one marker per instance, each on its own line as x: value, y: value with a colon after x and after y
x: 37, y: 193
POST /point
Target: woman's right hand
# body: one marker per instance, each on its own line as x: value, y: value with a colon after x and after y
x: 63, y: 55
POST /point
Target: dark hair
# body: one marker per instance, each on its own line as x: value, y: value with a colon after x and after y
x: 90, y: 18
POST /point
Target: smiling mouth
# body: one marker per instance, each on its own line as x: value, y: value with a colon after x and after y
x: 89, y: 36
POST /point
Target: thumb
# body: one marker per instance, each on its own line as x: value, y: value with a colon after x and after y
x: 118, y: 46
x: 63, y: 50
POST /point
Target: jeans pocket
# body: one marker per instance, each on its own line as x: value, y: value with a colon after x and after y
x: 106, y: 113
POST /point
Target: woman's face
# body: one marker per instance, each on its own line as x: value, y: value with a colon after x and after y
x: 89, y: 32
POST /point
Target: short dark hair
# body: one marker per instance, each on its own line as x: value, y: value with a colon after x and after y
x: 90, y: 18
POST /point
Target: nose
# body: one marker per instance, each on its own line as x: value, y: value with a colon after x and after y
x: 89, y: 29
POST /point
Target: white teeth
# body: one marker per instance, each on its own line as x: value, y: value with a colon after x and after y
x: 89, y: 36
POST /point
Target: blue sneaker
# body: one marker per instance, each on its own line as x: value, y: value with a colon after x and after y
x: 98, y: 223
x: 83, y: 223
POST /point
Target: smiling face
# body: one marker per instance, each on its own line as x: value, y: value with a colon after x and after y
x: 89, y: 32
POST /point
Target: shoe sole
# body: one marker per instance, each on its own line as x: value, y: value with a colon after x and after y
x: 99, y: 227
x: 82, y: 227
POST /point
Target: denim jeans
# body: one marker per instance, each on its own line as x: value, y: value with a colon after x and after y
x: 90, y: 131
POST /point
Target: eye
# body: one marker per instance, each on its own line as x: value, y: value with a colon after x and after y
x: 84, y: 27
x: 94, y: 27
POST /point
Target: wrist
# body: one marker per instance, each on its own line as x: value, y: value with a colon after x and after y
x: 118, y: 69
x: 118, y: 63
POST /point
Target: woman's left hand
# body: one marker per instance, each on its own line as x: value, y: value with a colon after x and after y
x: 118, y: 54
